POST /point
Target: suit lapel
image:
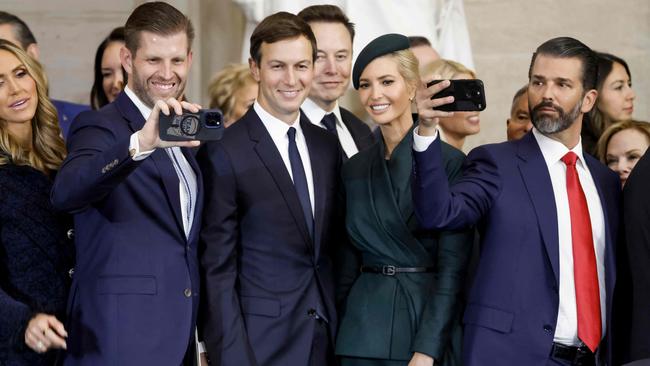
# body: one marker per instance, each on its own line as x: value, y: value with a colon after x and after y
x: 537, y: 180
x: 270, y: 157
x: 319, y: 175
x: 161, y: 160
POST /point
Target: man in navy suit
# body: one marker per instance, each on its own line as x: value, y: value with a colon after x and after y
x: 548, y: 216
x: 16, y: 31
x: 268, y: 222
x: 334, y: 35
x: 137, y: 202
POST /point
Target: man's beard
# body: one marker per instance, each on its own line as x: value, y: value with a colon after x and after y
x: 140, y: 89
x: 548, y: 125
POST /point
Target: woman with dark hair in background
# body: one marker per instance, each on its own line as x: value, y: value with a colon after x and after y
x: 615, y: 99
x: 110, y: 77
x: 36, y: 253
x: 399, y: 286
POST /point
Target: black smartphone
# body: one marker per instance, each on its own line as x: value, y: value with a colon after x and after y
x: 205, y: 125
x: 469, y: 95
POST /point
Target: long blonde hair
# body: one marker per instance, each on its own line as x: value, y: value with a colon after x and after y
x: 48, y: 149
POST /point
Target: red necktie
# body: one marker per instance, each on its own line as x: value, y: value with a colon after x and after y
x: 584, y: 259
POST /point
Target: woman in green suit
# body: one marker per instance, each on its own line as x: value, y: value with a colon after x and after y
x: 399, y: 287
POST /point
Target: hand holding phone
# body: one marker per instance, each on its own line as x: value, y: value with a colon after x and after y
x: 469, y: 95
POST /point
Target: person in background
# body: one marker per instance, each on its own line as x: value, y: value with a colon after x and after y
x: 519, y: 122
x: 615, y: 99
x: 233, y: 90
x: 334, y: 36
x: 110, y: 77
x: 454, y: 129
x: 423, y: 50
x: 17, y: 32
x: 399, y: 286
x: 36, y: 253
x: 622, y: 145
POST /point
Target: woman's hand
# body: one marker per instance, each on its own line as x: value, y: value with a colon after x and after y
x: 428, y: 117
x: 420, y: 359
x: 45, y: 332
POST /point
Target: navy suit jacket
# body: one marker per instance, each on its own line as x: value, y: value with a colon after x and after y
x: 513, y: 304
x: 67, y: 112
x: 266, y: 280
x: 135, y: 290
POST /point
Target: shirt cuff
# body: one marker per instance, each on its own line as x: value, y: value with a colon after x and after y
x: 421, y: 143
x: 134, y: 149
x: 201, y: 347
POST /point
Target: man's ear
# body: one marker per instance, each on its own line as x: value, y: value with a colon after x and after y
x: 589, y: 100
x: 33, y: 51
x: 255, y: 69
x: 127, y: 60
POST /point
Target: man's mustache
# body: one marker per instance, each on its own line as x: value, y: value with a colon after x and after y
x: 548, y: 104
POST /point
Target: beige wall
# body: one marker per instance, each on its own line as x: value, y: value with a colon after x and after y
x: 503, y: 33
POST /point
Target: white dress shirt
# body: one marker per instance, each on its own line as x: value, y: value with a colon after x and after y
x: 316, y: 114
x: 566, y: 329
x: 278, y: 131
x: 140, y: 155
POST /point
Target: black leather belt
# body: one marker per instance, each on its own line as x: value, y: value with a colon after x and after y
x: 387, y: 270
x: 578, y: 356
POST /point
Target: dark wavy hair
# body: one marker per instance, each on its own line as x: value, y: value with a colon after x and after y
x: 98, y: 97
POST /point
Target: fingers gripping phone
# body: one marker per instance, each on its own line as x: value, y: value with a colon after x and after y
x: 469, y: 95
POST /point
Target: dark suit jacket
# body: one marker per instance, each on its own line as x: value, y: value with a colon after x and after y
x: 266, y: 280
x: 360, y: 131
x: 67, y: 112
x: 390, y: 317
x: 634, y: 312
x: 513, y: 305
x: 135, y: 290
x: 35, y: 258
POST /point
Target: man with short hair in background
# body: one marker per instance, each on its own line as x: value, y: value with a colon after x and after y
x: 16, y: 31
x: 334, y: 35
x: 137, y: 204
x: 519, y: 122
x: 423, y: 50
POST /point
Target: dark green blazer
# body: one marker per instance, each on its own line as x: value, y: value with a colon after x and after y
x: 390, y: 317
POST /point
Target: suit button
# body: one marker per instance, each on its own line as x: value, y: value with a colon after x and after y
x: 548, y: 328
x: 187, y: 292
x: 70, y: 234
x: 71, y: 272
x: 311, y: 312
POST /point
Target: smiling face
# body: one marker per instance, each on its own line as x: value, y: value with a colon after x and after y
x: 624, y: 150
x: 333, y: 63
x: 112, y: 78
x: 18, y: 95
x: 159, y: 68
x: 284, y: 74
x: 244, y: 98
x: 616, y: 98
x: 384, y: 92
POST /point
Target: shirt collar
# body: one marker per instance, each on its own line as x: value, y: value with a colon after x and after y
x: 315, y: 113
x: 553, y: 150
x: 277, y: 128
x: 144, y: 110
